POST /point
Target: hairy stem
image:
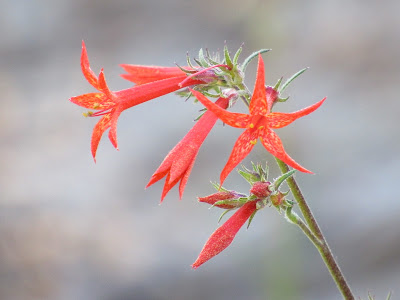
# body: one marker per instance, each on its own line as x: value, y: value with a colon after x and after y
x: 322, y: 246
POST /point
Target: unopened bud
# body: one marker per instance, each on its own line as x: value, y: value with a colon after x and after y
x: 261, y: 189
x: 227, y: 199
x: 277, y: 198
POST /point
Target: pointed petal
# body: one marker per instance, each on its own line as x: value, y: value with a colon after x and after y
x: 112, y: 135
x: 145, y: 74
x: 168, y: 186
x: 98, y: 131
x: 85, y: 66
x: 104, y: 88
x: 279, y: 120
x: 242, y: 147
x: 258, y: 103
x: 90, y: 100
x: 158, y: 175
x: 273, y: 144
x: 232, y: 119
x: 224, y: 235
x: 185, y: 177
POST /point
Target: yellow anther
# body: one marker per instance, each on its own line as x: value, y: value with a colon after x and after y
x: 253, y: 142
x: 261, y: 127
x: 96, y: 105
x: 251, y: 125
x: 88, y: 114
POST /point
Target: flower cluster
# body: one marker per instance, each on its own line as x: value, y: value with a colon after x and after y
x: 222, y: 79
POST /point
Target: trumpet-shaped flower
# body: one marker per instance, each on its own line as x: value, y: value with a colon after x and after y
x: 110, y: 104
x: 224, y: 235
x: 259, y: 124
x: 179, y: 162
x: 145, y: 74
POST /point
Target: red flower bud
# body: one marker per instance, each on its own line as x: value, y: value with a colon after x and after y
x: 261, y: 189
x: 220, y: 196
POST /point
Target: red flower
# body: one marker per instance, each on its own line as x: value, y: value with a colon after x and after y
x: 224, y: 235
x: 229, y: 197
x: 180, y: 160
x: 259, y: 124
x: 145, y: 74
x: 110, y: 104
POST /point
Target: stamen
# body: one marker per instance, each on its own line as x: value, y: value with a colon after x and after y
x: 251, y: 125
x: 97, y: 113
x: 253, y: 142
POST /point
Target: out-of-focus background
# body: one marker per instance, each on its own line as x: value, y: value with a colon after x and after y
x: 73, y: 229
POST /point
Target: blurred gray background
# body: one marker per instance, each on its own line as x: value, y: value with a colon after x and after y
x: 72, y: 229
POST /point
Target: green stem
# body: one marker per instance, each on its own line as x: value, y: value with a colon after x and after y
x: 322, y: 246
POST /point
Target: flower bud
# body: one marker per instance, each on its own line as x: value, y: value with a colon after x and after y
x: 277, y: 198
x: 228, y: 199
x: 261, y: 189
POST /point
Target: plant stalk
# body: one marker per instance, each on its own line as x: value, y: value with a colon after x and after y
x: 322, y: 246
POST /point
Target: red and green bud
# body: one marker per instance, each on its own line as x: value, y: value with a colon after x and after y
x: 261, y: 189
x: 224, y: 199
x: 277, y: 198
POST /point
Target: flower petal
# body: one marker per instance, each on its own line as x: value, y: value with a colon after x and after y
x: 273, y: 144
x: 224, y: 235
x: 242, y: 147
x: 98, y: 131
x: 232, y: 119
x: 112, y: 135
x: 91, y: 100
x: 279, y: 120
x: 258, y: 103
x: 86, y: 70
x: 145, y: 74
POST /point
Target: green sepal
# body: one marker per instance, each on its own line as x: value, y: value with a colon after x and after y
x: 278, y: 181
x: 236, y: 56
x: 185, y: 70
x: 202, y: 59
x: 389, y: 296
x: 282, y: 99
x: 198, y: 118
x: 253, y: 55
x: 240, y: 201
x: 276, y: 86
x: 251, y: 219
x: 219, y: 187
x: 188, y: 61
x: 228, y: 59
x: 212, y: 61
x: 198, y: 62
x: 289, y: 216
x: 205, y: 93
x: 285, y: 85
x: 223, y: 214
x: 249, y: 177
